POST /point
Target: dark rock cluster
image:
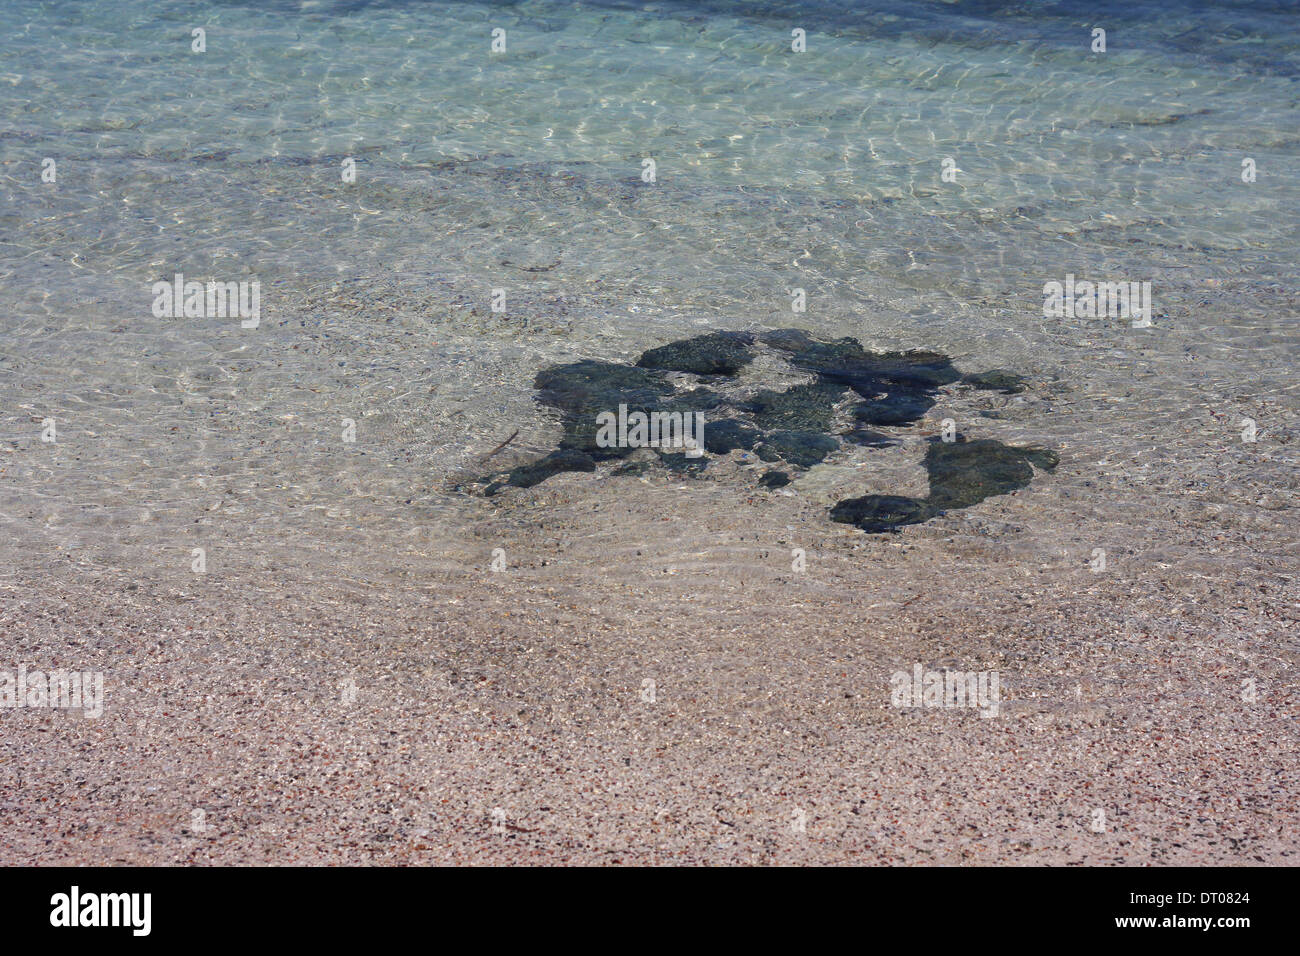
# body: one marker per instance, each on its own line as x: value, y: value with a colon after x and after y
x: 794, y: 427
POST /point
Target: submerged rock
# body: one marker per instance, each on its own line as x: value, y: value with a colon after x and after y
x: 962, y: 474
x: 1008, y: 383
x: 718, y: 353
x: 902, y: 405
x: 868, y: 438
x: 800, y: 407
x: 871, y: 374
x: 880, y: 512
x: 965, y: 473
x: 801, y: 449
x: 729, y: 435
x: 795, y: 427
x: 564, y: 459
x: 581, y: 391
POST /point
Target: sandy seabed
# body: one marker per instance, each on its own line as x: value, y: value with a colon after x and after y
x: 509, y: 717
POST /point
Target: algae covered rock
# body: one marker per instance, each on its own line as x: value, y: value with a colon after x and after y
x: 852, y: 392
x: 962, y: 474
x: 999, y: 379
x: 718, y: 353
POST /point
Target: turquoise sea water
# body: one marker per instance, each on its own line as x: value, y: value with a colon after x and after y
x: 523, y: 170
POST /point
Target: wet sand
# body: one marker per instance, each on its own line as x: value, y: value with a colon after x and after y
x: 649, y: 678
x: 525, y: 690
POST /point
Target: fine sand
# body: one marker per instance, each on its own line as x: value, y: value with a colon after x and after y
x: 506, y: 717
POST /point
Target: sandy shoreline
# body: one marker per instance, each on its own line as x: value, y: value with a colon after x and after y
x: 524, y: 691
x: 272, y: 534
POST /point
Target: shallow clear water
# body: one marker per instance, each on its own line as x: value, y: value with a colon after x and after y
x: 522, y: 170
